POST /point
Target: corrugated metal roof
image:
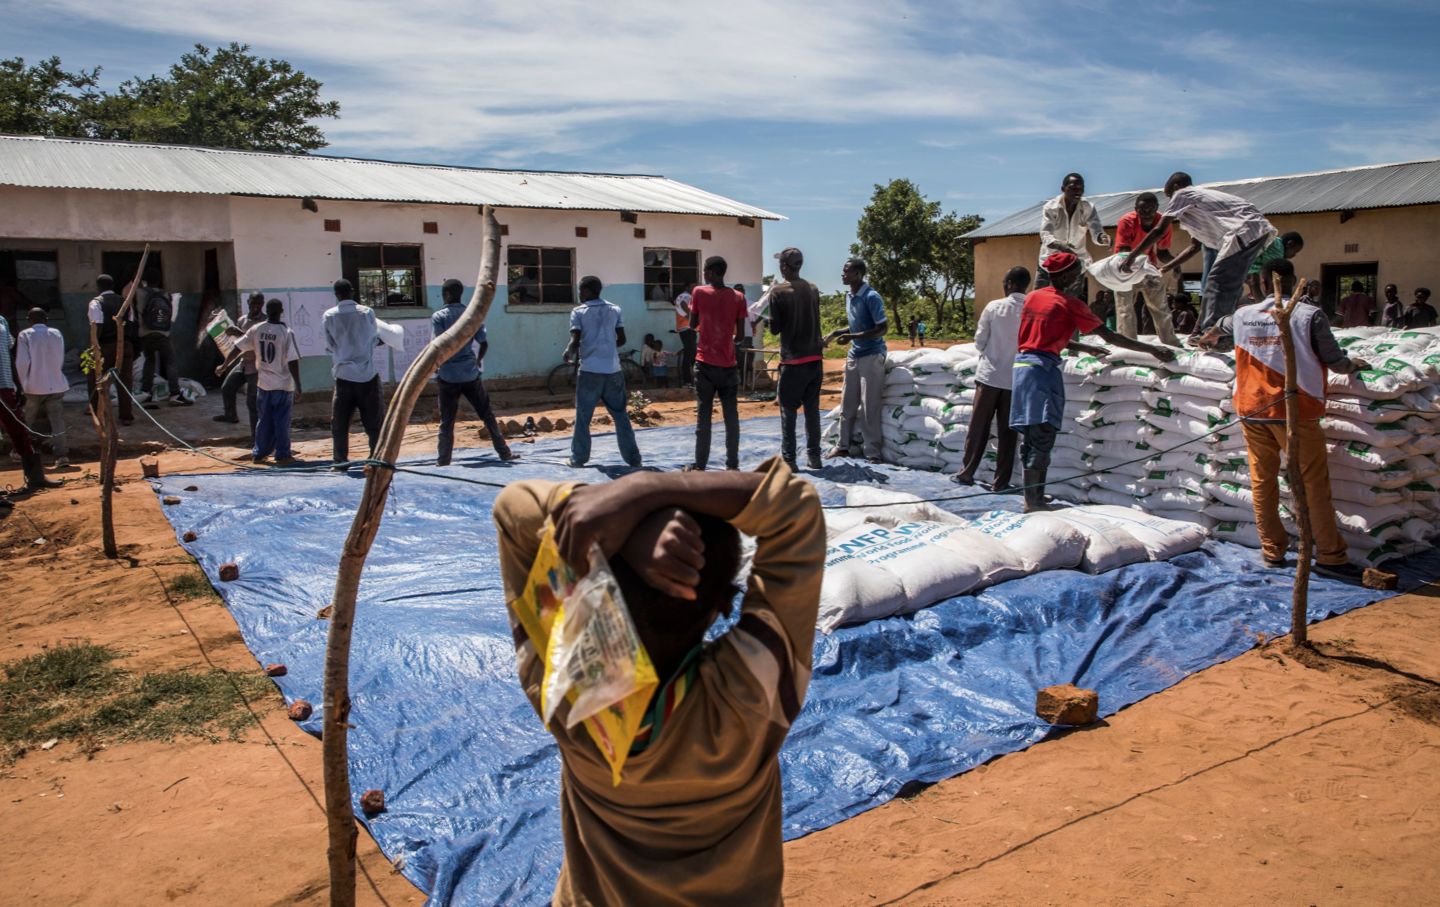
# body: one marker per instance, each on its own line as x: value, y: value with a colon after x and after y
x: 48, y: 163
x: 1353, y: 189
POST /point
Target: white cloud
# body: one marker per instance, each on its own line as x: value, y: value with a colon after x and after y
x: 511, y: 81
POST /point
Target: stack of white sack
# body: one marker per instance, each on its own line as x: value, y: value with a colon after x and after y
x: 927, y: 402
x: 892, y: 553
x: 1163, y: 437
x: 1381, y: 430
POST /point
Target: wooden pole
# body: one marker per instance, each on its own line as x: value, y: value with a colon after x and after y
x: 105, y: 415
x: 1299, y: 607
x: 339, y: 809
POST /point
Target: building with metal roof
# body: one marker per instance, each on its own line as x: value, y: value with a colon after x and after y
x: 221, y: 223
x: 1369, y: 224
x: 48, y: 163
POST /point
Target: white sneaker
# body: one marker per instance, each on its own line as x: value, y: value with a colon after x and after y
x: 62, y: 462
x: 145, y: 397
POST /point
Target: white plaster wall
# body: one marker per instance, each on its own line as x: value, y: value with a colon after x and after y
x: 88, y: 214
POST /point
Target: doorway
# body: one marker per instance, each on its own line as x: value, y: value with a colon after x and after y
x: 122, y: 265
x: 1336, y: 282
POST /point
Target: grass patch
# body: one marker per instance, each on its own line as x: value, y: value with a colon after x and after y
x: 75, y: 692
x: 191, y: 585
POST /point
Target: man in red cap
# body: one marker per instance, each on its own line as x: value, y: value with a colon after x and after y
x: 1050, y: 318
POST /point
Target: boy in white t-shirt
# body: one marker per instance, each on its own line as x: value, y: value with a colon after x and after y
x: 277, y: 372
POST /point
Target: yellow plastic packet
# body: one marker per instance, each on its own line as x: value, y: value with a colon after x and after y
x: 592, y: 655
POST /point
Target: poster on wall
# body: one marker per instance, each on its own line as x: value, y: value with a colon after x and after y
x: 305, y: 313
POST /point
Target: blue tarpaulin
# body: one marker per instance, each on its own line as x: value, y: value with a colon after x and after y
x: 471, y: 777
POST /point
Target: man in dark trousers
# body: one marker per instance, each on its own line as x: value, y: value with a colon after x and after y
x: 351, y: 336
x: 103, y: 331
x: 1051, y: 318
x: 795, y: 317
x: 1226, y: 223
x: 718, y: 314
x: 460, y: 376
x: 996, y: 336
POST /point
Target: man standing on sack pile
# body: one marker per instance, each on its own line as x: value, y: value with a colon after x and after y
x: 1260, y: 402
x: 1230, y: 225
x: 1064, y: 221
x: 1132, y: 228
x: 1050, y: 318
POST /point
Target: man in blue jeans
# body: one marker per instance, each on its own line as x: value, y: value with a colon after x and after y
x: 596, y: 335
x: 277, y: 363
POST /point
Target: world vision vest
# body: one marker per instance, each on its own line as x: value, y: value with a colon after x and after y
x: 1260, y: 363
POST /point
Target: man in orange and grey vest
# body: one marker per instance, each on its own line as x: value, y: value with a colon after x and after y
x: 1260, y: 402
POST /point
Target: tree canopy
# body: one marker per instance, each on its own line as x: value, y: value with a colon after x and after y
x: 917, y: 261
x: 225, y: 98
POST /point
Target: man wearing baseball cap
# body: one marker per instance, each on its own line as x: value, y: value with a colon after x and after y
x: 795, y: 317
x: 1050, y: 318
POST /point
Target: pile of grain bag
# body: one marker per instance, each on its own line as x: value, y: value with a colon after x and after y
x: 892, y: 553
x: 1162, y: 436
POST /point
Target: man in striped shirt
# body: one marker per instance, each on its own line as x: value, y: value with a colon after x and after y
x: 696, y: 817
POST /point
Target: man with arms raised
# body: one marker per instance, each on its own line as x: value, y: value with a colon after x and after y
x: 696, y: 817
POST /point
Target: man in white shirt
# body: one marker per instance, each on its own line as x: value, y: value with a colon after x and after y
x: 351, y: 336
x: 1230, y: 225
x: 102, y: 312
x: 997, y: 337
x: 39, y: 356
x: 1064, y: 222
x: 277, y: 375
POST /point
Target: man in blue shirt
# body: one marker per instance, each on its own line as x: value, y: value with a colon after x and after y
x: 865, y: 363
x: 350, y: 338
x: 596, y: 334
x: 460, y: 376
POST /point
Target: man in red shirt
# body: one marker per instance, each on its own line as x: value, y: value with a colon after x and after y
x: 718, y: 315
x: 1128, y: 233
x: 1358, y: 309
x: 1050, y: 319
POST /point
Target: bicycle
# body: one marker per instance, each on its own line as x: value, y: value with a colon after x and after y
x: 561, y: 381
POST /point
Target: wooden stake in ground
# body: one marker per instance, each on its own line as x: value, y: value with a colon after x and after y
x: 1300, y: 601
x: 105, y: 415
x: 339, y: 810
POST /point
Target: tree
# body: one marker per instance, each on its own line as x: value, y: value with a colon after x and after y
x: 227, y: 98
x: 44, y: 99
x: 949, y: 271
x: 896, y: 238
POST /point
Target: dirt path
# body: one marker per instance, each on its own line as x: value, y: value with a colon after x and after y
x: 1258, y: 781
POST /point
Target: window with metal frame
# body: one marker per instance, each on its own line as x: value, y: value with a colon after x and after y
x: 29, y: 278
x: 670, y: 272
x: 384, y: 274
x: 536, y: 275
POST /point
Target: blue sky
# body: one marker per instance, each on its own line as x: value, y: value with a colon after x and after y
x: 802, y: 108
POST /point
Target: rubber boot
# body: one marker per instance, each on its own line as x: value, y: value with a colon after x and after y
x: 35, y: 473
x: 1035, y: 491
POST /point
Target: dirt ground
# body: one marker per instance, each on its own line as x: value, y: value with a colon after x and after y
x: 1265, y: 780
